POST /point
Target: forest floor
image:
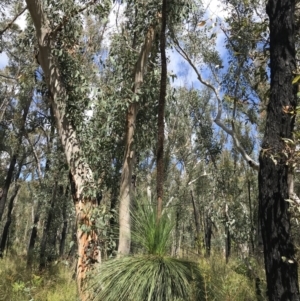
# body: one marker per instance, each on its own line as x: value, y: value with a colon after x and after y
x: 239, y: 280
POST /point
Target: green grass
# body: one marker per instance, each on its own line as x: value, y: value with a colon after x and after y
x: 19, y: 284
x: 234, y: 281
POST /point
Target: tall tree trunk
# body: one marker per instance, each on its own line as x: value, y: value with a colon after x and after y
x: 64, y: 231
x: 33, y: 235
x: 279, y: 253
x: 8, y: 221
x: 126, y: 176
x: 161, y: 112
x: 227, y: 235
x: 208, y: 233
x: 7, y: 183
x: 43, y: 255
x: 5, y: 232
x: 82, y: 175
x: 13, y: 160
x: 197, y: 222
x: 251, y: 218
x: 37, y: 211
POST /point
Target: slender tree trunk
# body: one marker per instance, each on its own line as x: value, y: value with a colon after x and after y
x: 4, y: 237
x: 13, y: 161
x: 64, y: 231
x: 251, y: 218
x: 208, y: 233
x: 7, y: 184
x: 161, y: 112
x: 8, y: 221
x: 197, y: 220
x: 3, y: 108
x: 279, y: 252
x: 37, y: 211
x: 227, y: 235
x: 33, y: 235
x: 129, y: 156
x: 43, y: 255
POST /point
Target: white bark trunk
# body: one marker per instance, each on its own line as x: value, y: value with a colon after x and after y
x: 125, y: 187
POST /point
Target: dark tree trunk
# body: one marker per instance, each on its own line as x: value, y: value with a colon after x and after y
x: 47, y: 228
x: 197, y: 222
x: 8, y: 221
x: 227, y: 243
x: 7, y: 184
x: 4, y: 237
x: 279, y: 253
x: 36, y: 219
x: 208, y: 233
x: 177, y: 232
x: 161, y: 112
x: 64, y: 231
x: 227, y: 235
x: 13, y: 161
x: 33, y: 235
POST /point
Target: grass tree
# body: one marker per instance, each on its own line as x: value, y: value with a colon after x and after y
x: 152, y: 274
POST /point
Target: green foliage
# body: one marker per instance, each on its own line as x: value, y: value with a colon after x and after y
x: 147, y: 277
x: 151, y: 235
x: 20, y: 284
x: 236, y: 281
x: 153, y: 276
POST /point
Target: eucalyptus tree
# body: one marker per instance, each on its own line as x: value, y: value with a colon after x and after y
x: 278, y: 247
x: 138, y: 31
x: 58, y: 29
x: 279, y: 252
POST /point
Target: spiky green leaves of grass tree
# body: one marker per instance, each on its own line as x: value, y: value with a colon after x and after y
x: 151, y: 275
x: 148, y: 278
x: 152, y: 236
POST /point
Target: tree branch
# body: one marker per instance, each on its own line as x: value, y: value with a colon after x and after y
x: 218, y: 121
x: 12, y: 21
x: 66, y: 19
x: 7, y: 77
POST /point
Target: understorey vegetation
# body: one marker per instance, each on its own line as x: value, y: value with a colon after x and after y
x: 149, y: 150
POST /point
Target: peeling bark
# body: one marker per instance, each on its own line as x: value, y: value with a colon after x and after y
x: 81, y: 173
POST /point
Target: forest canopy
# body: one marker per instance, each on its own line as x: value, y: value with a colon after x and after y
x: 152, y: 147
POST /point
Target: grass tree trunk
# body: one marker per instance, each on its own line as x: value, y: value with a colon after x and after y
x: 81, y: 173
x: 126, y: 176
x: 161, y: 113
x: 279, y: 252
